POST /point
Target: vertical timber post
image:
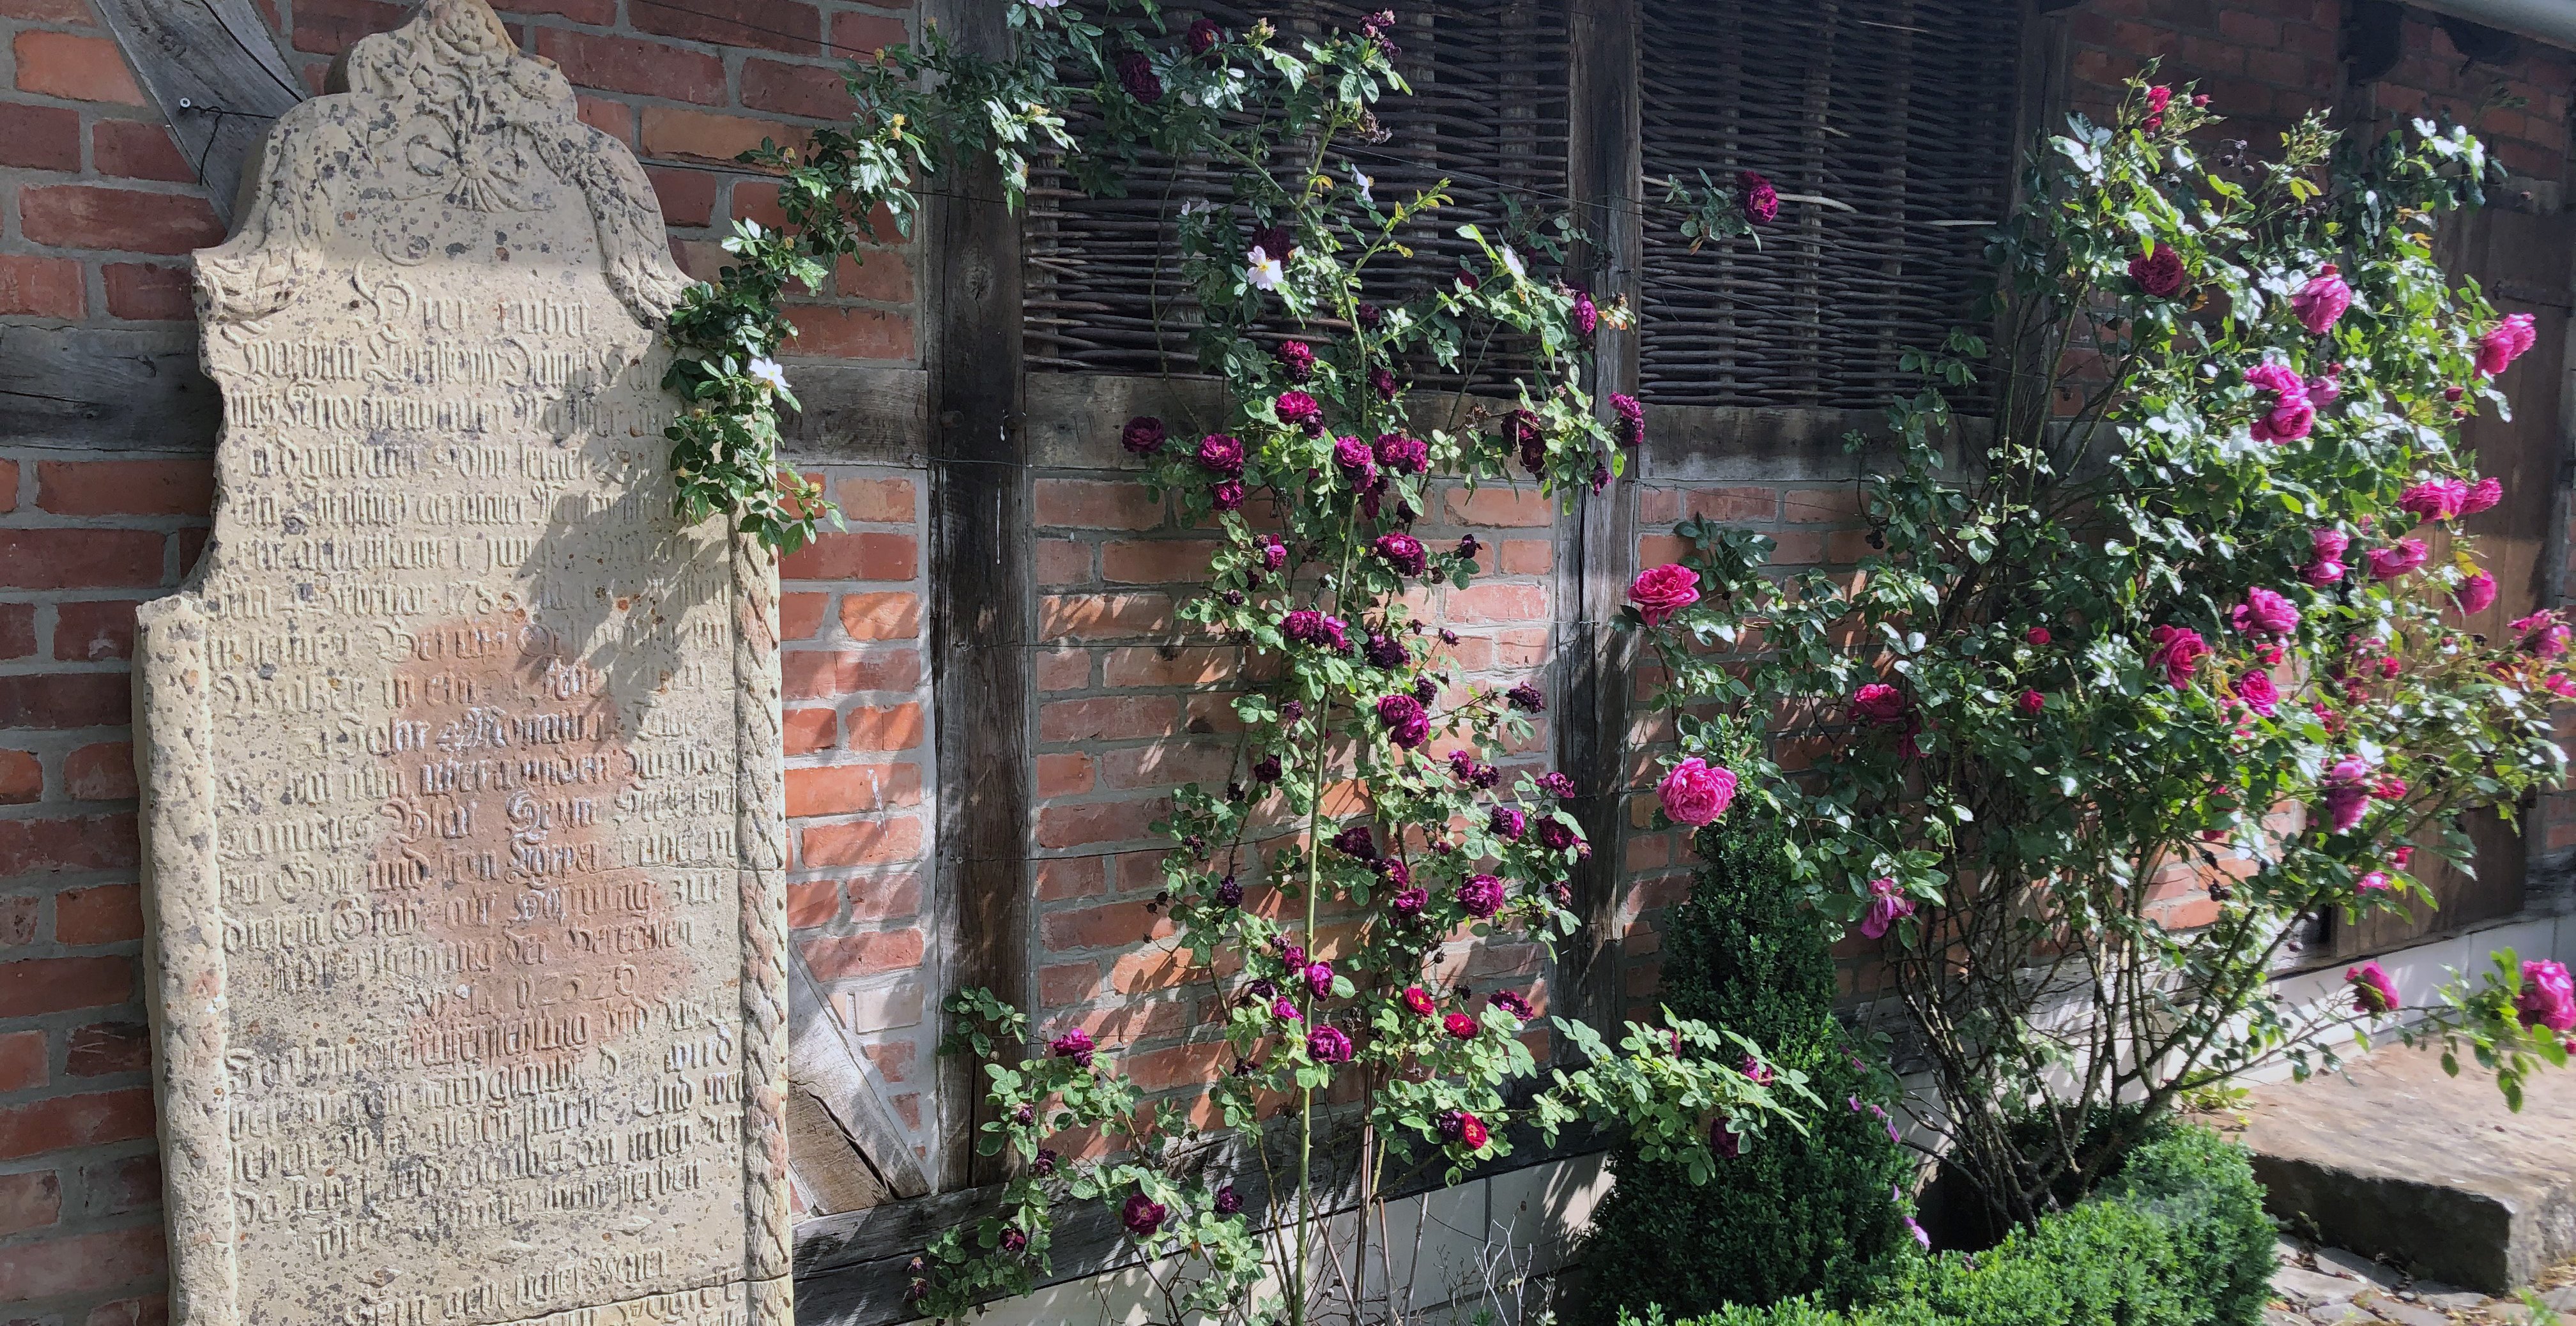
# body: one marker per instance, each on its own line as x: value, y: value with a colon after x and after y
x: 1605, y: 163
x: 980, y: 557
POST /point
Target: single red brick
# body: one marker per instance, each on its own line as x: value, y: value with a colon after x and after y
x: 125, y: 487
x: 98, y: 842
x: 851, y: 333
x: 881, y: 616
x: 20, y: 916
x: 1070, y: 877
x: 29, y: 1201
x: 1108, y: 925
x: 1155, y: 561
x: 8, y: 486
x: 84, y: 216
x: 80, y: 558
x: 64, y: 700
x: 1067, y: 983
x: 613, y: 118
x: 817, y: 92
x: 850, y: 789
x: 120, y: 1186
x: 149, y: 292
x: 140, y: 150
x: 624, y: 64
x: 1110, y: 719
x: 101, y: 914
x: 328, y: 27
x: 806, y: 731
x: 855, y: 556
x: 31, y: 986
x: 857, y: 843
x: 22, y: 778
x: 894, y: 1059
x: 1494, y: 506
x: 1063, y: 775
x: 152, y: 1310
x: 777, y: 25
x: 885, y: 897
x: 881, y: 501
x: 1087, y: 504
x: 813, y: 903
x: 68, y: 13
x: 101, y: 772
x: 17, y: 630
x: 102, y: 1048
x: 40, y: 137
x: 87, y: 1263
x: 688, y: 197
x: 95, y: 632
x: 1104, y: 822
x: 896, y: 727
x: 60, y: 64
x: 800, y: 616
x: 670, y: 131
x: 878, y: 274
x: 22, y: 1060
x: 840, y: 957
x: 1496, y: 603
x: 1103, y: 616
x: 861, y: 36
x: 32, y: 286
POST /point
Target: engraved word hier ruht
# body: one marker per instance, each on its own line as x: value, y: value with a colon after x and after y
x: 460, y: 754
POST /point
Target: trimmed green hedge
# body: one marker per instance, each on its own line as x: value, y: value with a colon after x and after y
x: 2177, y: 1238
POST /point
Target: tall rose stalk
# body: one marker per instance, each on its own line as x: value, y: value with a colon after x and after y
x: 2181, y: 579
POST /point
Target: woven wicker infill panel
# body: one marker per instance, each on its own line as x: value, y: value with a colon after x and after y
x: 1488, y: 113
x: 1902, y: 110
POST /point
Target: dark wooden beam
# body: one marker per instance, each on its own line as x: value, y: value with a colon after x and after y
x: 217, y: 75
x: 1605, y: 167
x: 106, y: 389
x: 981, y: 552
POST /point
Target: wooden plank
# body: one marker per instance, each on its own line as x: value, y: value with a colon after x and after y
x: 1742, y: 444
x: 856, y: 413
x: 1598, y: 537
x: 216, y: 73
x: 106, y: 389
x: 824, y: 1059
x: 981, y: 603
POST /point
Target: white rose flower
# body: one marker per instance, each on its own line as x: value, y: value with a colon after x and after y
x: 1263, y: 272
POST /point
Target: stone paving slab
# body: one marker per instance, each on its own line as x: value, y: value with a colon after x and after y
x: 2398, y: 1160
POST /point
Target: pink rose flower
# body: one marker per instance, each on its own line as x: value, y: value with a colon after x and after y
x: 1761, y: 199
x: 2375, y: 882
x: 1696, y: 792
x: 2032, y: 702
x: 2542, y: 634
x: 2037, y: 635
x: 1459, y: 1026
x: 2264, y: 612
x: 2548, y: 997
x: 1417, y: 1001
x: 1881, y: 704
x: 1481, y: 896
x: 2372, y: 991
x: 2291, y: 414
x: 2178, y: 652
x: 1221, y: 454
x: 1661, y: 591
x: 2322, y: 301
x: 2347, y: 793
x: 2390, y: 563
x: 2327, y: 566
x: 2434, y: 499
x: 2160, y: 274
x: 2483, y: 494
x: 2506, y: 342
x: 2255, y: 689
x: 1886, y: 907
x: 2477, y: 593
x: 1356, y: 460
x: 1226, y: 494
x: 1328, y: 1045
x: 1404, y: 455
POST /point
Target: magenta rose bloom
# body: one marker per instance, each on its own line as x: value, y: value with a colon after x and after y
x: 1417, y: 1001
x: 1406, y: 724
x: 2483, y: 494
x: 1142, y: 1215
x: 1556, y: 836
x: 2159, y: 273
x: 1627, y: 419
x: 1319, y: 978
x: 1887, y: 906
x: 1383, y: 383
x: 1298, y: 410
x: 1661, y: 591
x: 2347, y: 793
x: 1274, y: 554
x: 1459, y: 1026
x: 2434, y: 499
x: 1466, y: 1129
x: 1286, y: 1011
x: 2264, y: 612
x: 1587, y: 315
x: 1226, y: 494
x: 1408, y: 904
x: 1696, y: 792
x: 2390, y: 563
x: 1403, y: 552
x: 2291, y: 414
x: 1354, y: 459
x: 1556, y: 785
x: 2477, y: 593
x: 1297, y: 359
x: 2542, y: 634
x: 1075, y: 1045
x: 2032, y: 702
x: 1881, y: 704
x: 1403, y: 455
x: 1761, y: 198
x: 1143, y: 435
x: 1481, y: 896
x: 1520, y: 433
x: 2322, y: 301
x: 1221, y: 454
x: 2372, y: 990
x: 1508, y: 824
x: 1305, y: 626
x: 1510, y: 1001
x: 2506, y: 342
x: 1328, y: 1045
x: 2548, y: 997
x: 2326, y: 567
x: 2254, y: 687
x: 2178, y: 652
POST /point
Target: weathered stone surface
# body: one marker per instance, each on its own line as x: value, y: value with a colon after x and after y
x: 2336, y: 1261
x: 461, y: 753
x: 2409, y: 1314
x: 2309, y: 1289
x: 2430, y: 1171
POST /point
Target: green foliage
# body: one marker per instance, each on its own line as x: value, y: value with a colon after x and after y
x: 2179, y: 1238
x: 1794, y: 1214
x: 2043, y: 693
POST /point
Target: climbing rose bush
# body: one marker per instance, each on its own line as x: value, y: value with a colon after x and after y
x: 2191, y: 605
x: 1374, y: 809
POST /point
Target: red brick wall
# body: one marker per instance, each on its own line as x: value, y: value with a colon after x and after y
x: 98, y: 210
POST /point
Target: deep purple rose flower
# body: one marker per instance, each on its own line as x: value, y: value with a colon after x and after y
x: 1354, y: 459
x: 1511, y: 1001
x: 1136, y: 74
x: 1203, y: 38
x: 1520, y: 433
x: 1297, y: 358
x: 1221, y: 454
x: 1628, y: 419
x: 1327, y: 1045
x: 1383, y: 383
x: 1075, y: 1045
x: 1266, y: 769
x: 1761, y: 198
x: 1527, y: 698
x: 1408, y: 904
x: 1277, y: 241
x: 1274, y: 554
x: 1406, y: 725
x: 1403, y: 552
x: 1143, y: 435
x: 1468, y: 547
x: 1481, y: 896
x: 1587, y: 315
x: 1045, y: 1162
x: 1226, y: 494
x: 1299, y: 410
x: 1142, y: 1215
x: 1507, y: 823
x: 1393, y: 871
x: 1356, y: 842
x: 1556, y: 785
x: 2160, y: 273
x: 1229, y: 893
x: 1426, y: 690
x: 1383, y: 651
x: 1403, y: 455
x: 1555, y: 836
